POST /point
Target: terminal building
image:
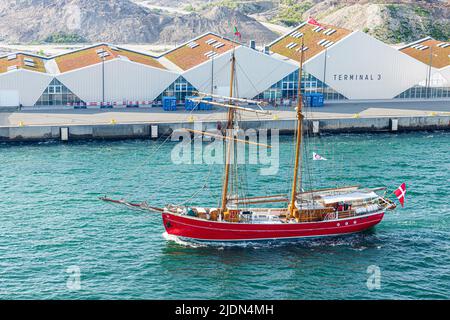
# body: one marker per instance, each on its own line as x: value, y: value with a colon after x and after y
x: 340, y: 64
x: 346, y: 65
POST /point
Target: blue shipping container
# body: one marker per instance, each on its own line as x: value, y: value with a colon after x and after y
x: 314, y: 100
x: 169, y: 103
x: 206, y: 106
x: 194, y: 105
x: 190, y: 105
x: 307, y: 100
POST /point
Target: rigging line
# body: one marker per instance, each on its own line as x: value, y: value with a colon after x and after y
x: 212, y: 116
x: 205, y: 186
x: 244, y: 180
x: 341, y: 163
x: 212, y: 196
x: 292, y: 160
x: 305, y: 163
x: 244, y: 175
x: 295, y: 137
x: 249, y: 79
x: 309, y: 145
x: 245, y: 74
x: 218, y: 71
x: 317, y: 170
x: 312, y: 144
x: 242, y: 171
x: 238, y: 168
x: 241, y: 183
x: 188, y: 202
x: 144, y: 162
x: 337, y: 164
x: 237, y: 116
x: 333, y: 146
x: 215, y: 183
x: 310, y: 165
x: 235, y: 156
x: 217, y: 194
x: 349, y: 167
x: 290, y: 163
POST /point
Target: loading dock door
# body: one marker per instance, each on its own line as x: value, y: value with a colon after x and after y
x: 9, y: 98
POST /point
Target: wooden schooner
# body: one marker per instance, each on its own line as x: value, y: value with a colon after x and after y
x: 314, y: 213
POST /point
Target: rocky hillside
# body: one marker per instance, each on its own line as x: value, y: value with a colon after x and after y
x: 218, y: 19
x: 77, y: 20
x: 392, y: 21
x: 118, y: 21
x: 147, y: 21
x: 389, y: 21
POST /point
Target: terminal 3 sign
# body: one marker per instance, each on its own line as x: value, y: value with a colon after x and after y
x: 358, y: 77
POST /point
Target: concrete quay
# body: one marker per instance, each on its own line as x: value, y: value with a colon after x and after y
x: 67, y: 124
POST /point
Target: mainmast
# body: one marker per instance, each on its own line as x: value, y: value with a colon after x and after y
x: 230, y: 144
x: 293, y: 210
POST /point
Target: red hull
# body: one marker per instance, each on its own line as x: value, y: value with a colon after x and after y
x: 197, y: 229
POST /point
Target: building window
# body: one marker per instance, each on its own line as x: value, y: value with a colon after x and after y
x: 57, y: 94
x: 54, y: 89
x: 423, y: 92
x: 287, y: 89
x: 180, y: 89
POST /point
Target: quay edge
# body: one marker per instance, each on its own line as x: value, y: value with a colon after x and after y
x: 143, y: 130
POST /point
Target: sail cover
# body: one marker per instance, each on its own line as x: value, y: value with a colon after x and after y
x: 349, y: 197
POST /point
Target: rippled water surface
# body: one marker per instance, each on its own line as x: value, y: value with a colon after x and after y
x: 51, y: 220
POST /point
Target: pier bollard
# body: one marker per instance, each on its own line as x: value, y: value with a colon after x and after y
x: 316, y: 127
x: 394, y: 125
x: 154, y: 132
x: 64, y: 134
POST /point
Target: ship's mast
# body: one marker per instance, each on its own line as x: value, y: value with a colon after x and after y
x: 230, y: 143
x: 293, y: 210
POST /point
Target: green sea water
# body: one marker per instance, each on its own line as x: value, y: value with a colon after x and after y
x: 52, y: 223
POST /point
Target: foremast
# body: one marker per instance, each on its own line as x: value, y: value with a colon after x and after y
x: 296, y: 181
x: 292, y: 209
x: 230, y: 142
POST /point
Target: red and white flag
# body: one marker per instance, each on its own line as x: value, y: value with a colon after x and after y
x: 401, y: 193
x: 313, y: 22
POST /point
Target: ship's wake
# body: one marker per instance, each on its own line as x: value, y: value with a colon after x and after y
x: 356, y: 241
x: 182, y: 242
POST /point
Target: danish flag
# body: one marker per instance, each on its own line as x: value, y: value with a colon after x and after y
x: 400, y: 193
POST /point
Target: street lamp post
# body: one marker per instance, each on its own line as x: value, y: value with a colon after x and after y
x: 103, y: 79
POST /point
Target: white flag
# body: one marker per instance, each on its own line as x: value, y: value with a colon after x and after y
x: 318, y: 157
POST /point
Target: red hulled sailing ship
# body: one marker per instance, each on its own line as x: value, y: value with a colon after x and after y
x: 304, y: 214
